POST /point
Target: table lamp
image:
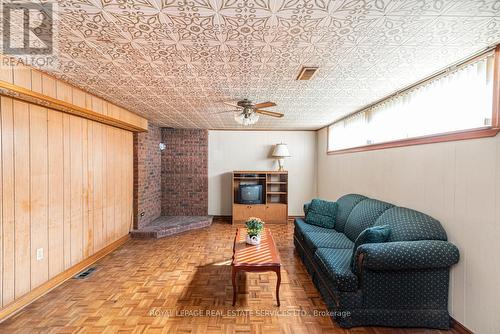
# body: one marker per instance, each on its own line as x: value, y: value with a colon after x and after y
x: 280, y: 153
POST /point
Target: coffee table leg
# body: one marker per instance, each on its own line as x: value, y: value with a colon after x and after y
x: 278, y: 273
x: 234, y: 285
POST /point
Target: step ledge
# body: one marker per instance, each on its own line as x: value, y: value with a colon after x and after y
x: 156, y: 232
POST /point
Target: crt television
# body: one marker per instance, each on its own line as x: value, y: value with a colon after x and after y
x: 250, y: 194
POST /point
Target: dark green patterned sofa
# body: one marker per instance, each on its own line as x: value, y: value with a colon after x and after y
x: 399, y: 283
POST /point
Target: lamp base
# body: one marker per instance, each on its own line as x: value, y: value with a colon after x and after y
x: 281, y: 168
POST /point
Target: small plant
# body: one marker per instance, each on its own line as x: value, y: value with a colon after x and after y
x: 254, y: 226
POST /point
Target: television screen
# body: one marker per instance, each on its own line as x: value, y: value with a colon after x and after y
x: 250, y: 194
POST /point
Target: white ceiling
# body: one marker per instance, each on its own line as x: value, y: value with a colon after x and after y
x: 174, y: 61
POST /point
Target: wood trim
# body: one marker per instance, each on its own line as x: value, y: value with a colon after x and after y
x: 17, y: 305
x: 495, y: 119
x: 223, y: 218
x: 327, y: 139
x: 439, y: 138
x: 459, y: 328
x: 27, y: 95
x: 67, y: 83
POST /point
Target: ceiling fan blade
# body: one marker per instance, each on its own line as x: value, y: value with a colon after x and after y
x: 225, y: 111
x: 269, y: 113
x: 264, y: 105
x: 232, y: 104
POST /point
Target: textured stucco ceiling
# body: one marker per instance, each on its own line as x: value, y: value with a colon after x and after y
x: 174, y: 62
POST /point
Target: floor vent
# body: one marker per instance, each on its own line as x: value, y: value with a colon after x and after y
x: 86, y: 273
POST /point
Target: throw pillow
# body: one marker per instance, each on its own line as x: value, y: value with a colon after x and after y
x: 321, y: 213
x: 375, y: 234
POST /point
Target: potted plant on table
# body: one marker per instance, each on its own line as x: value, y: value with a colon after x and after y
x: 255, y: 226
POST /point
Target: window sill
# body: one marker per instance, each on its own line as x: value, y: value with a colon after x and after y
x: 439, y: 138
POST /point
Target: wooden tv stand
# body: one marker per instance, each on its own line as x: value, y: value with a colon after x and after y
x: 274, y: 207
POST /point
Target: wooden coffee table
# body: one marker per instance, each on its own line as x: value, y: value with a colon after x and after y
x: 249, y: 258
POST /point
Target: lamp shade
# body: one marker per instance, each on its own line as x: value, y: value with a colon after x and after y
x: 281, y: 151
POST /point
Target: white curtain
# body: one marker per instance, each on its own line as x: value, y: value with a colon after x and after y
x: 341, y: 133
x: 458, y: 100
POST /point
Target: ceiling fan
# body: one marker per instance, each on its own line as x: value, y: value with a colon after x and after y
x: 247, y: 113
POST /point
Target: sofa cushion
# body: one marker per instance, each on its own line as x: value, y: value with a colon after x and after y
x: 321, y: 213
x: 335, y: 265
x: 364, y: 215
x: 411, y: 225
x: 345, y: 205
x: 332, y: 239
x: 371, y: 235
x: 301, y: 227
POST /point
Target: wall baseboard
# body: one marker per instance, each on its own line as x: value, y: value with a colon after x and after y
x: 224, y: 218
x: 18, y: 304
x: 459, y: 328
x: 293, y: 217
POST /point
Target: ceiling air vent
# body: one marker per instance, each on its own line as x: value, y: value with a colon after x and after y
x: 306, y: 73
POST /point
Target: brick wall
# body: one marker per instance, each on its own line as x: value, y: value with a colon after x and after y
x: 170, y: 182
x: 185, y: 172
x: 147, y: 176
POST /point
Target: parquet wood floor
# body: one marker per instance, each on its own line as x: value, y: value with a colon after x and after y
x: 182, y: 284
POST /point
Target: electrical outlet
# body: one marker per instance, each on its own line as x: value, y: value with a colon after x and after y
x: 39, y: 254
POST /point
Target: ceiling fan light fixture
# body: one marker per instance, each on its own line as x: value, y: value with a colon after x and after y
x: 246, y: 119
x: 248, y: 113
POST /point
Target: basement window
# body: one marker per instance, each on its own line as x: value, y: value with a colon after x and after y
x: 456, y: 104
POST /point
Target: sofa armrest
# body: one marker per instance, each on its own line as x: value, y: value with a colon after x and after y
x: 423, y: 254
x: 306, y: 207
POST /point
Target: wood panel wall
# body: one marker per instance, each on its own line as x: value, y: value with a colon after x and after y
x: 65, y: 187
